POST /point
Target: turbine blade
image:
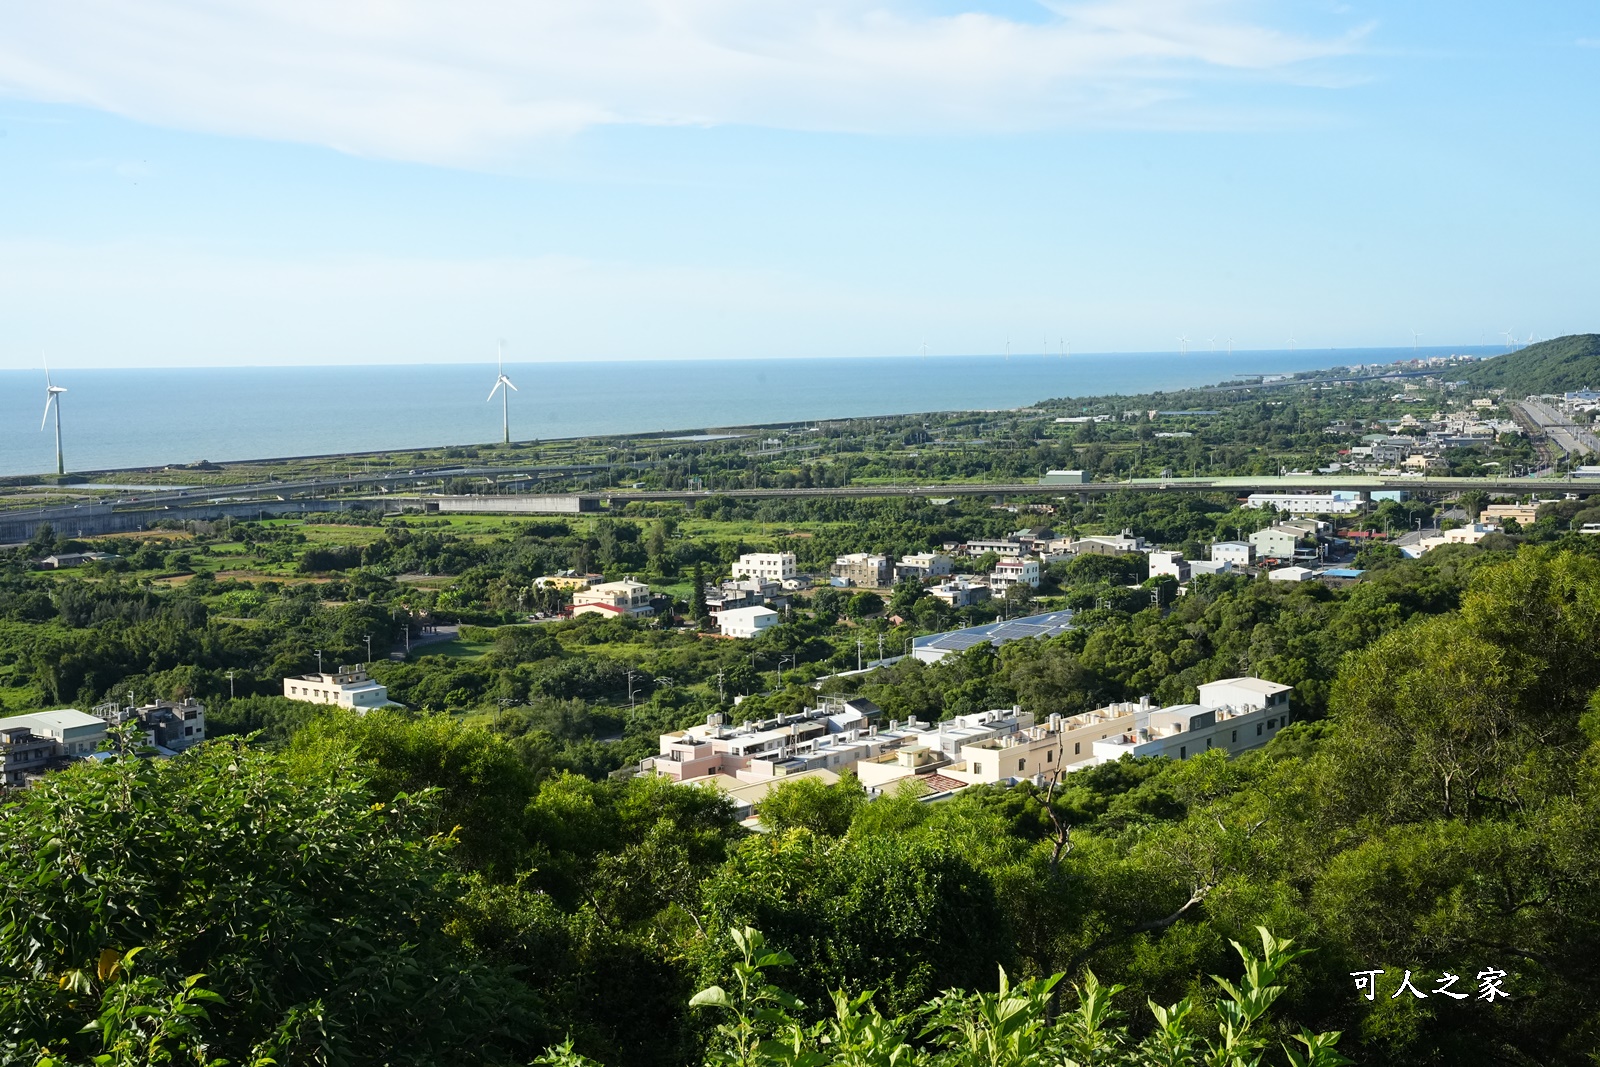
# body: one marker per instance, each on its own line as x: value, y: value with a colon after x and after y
x: 493, y: 391
x: 508, y: 382
x: 47, y: 402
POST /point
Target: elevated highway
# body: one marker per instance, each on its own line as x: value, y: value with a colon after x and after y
x: 339, y: 494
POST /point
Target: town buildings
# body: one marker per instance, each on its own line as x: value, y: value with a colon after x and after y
x: 33, y: 743
x: 1234, y: 714
x: 348, y: 687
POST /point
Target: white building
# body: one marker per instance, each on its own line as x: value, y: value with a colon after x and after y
x: 1306, y: 503
x: 922, y: 566
x: 1198, y: 567
x: 626, y: 597
x: 1292, y: 574
x: 1169, y: 564
x: 1238, y: 553
x: 72, y: 732
x: 1234, y: 714
x: 349, y: 687
x: 745, y: 622
x: 1010, y: 572
x: 768, y: 566
x: 960, y: 592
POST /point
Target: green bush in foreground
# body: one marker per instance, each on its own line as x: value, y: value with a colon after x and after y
x: 1014, y: 1027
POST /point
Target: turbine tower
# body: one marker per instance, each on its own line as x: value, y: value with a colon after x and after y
x: 52, y: 395
x: 1183, y: 345
x: 505, y: 393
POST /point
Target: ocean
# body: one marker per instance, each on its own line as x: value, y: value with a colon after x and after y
x: 120, y: 418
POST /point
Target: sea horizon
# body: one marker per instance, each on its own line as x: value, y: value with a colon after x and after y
x: 128, y: 418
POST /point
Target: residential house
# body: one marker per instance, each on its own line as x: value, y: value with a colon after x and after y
x: 626, y: 597
x: 1238, y: 553
x: 863, y: 569
x: 745, y: 622
x: 922, y: 566
x: 961, y: 592
x: 1234, y: 714
x: 24, y: 755
x: 1010, y: 572
x: 73, y: 733
x: 1170, y: 565
x: 1107, y: 545
x: 168, y: 725
x: 348, y: 687
x: 769, y: 566
x: 1292, y: 574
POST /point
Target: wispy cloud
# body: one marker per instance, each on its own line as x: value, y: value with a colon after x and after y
x: 474, y: 79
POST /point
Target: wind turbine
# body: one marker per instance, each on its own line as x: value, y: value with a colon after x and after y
x: 1183, y: 345
x: 52, y: 395
x: 1291, y: 344
x: 505, y: 396
x: 1230, y: 348
x: 1414, y: 336
x: 1509, y: 336
x: 1213, y: 344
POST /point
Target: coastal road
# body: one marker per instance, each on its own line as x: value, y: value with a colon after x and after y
x: 1560, y: 430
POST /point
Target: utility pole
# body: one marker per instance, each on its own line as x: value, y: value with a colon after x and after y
x: 630, y: 687
x: 369, y: 651
x: 230, y: 684
x: 880, y: 648
x: 721, y: 696
x: 858, y: 653
x: 319, y: 661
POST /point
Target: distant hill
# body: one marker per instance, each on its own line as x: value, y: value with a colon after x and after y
x: 1554, y: 366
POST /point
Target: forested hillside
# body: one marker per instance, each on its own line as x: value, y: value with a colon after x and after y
x: 406, y: 888
x: 1558, y: 365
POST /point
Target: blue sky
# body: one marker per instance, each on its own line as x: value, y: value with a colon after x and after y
x: 399, y: 181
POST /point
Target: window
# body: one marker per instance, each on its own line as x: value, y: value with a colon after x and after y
x: 1235, y: 737
x: 977, y: 768
x: 1258, y: 729
x: 1208, y: 742
x: 1077, y: 748
x: 1050, y: 757
x: 1022, y: 764
x: 1183, y: 751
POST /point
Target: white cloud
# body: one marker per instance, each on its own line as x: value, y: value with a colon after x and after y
x: 474, y: 79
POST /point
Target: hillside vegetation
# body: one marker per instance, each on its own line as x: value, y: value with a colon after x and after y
x: 1554, y: 366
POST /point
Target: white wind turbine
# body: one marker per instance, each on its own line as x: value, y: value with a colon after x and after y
x: 1213, y: 344
x: 52, y: 395
x: 505, y: 393
x: 1509, y: 336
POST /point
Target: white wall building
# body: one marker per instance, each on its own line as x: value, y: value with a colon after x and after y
x: 626, y: 597
x: 922, y: 566
x: 1234, y: 714
x: 348, y: 687
x: 1292, y: 574
x: 73, y: 732
x: 745, y: 622
x: 1169, y: 564
x: 1010, y: 572
x: 1238, y: 553
x: 1306, y: 503
x: 768, y: 566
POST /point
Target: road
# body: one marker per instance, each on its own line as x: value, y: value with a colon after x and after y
x: 1561, y: 431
